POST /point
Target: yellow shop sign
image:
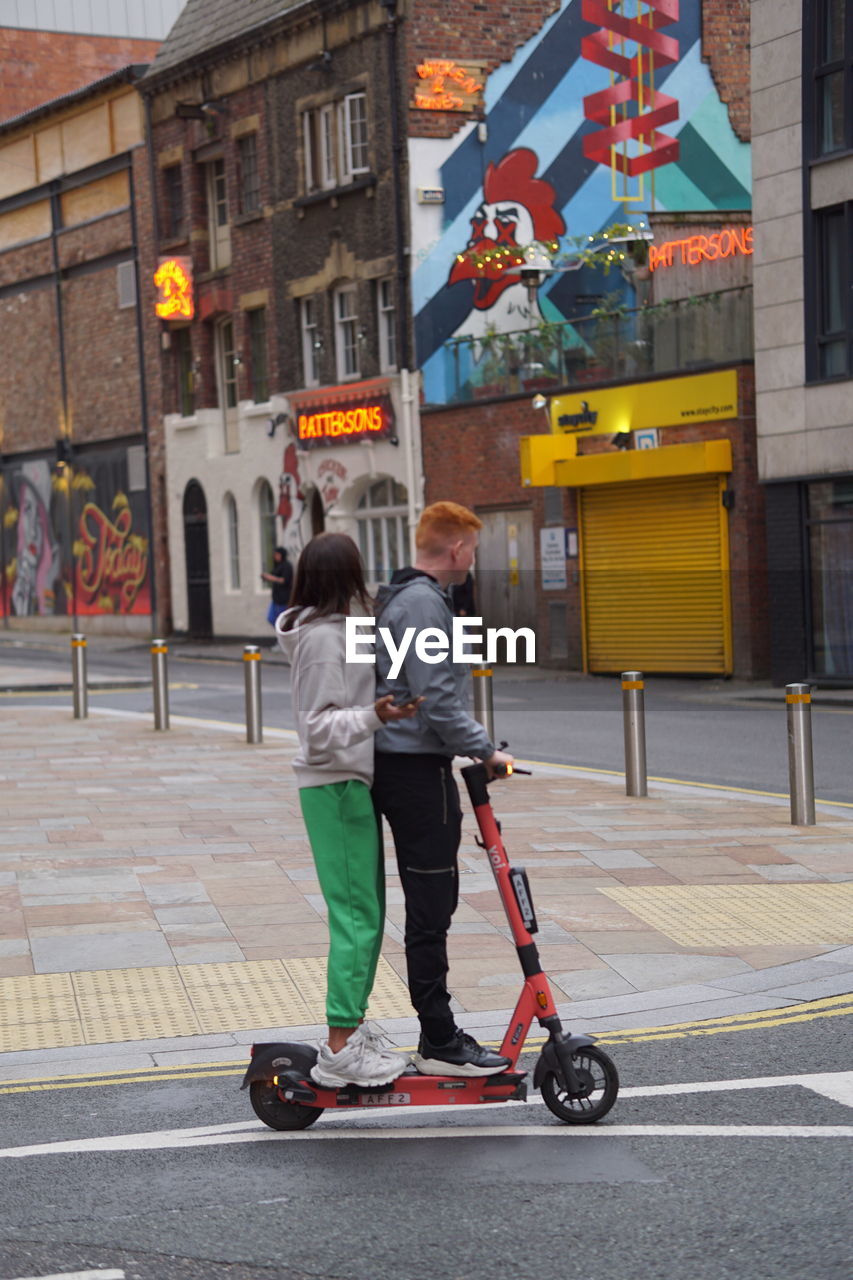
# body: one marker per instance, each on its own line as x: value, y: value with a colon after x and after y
x: 670, y: 402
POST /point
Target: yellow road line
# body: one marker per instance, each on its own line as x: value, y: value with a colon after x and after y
x: 831, y: 1007
x: 682, y: 782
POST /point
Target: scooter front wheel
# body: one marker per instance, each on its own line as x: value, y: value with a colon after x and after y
x: 599, y: 1082
x: 269, y: 1106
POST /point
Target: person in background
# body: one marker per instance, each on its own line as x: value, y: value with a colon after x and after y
x: 337, y: 713
x: 280, y: 578
x: 462, y: 597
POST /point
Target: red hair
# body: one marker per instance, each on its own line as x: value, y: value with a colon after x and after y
x: 443, y: 523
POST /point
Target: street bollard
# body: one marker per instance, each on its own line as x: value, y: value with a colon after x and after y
x: 160, y: 679
x: 78, y: 676
x: 484, y: 707
x: 634, y: 717
x: 800, y: 760
x: 252, y: 671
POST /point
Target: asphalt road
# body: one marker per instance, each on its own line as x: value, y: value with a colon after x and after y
x: 762, y: 1193
x: 708, y: 731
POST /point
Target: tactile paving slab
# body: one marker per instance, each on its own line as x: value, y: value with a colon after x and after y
x: 744, y: 915
x: 134, y: 1004
x: 390, y: 997
x: 240, y: 995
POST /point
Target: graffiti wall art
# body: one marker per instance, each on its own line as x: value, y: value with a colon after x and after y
x: 74, y: 539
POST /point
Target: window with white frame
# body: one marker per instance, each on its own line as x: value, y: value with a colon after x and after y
x: 346, y: 332
x: 266, y: 524
x: 387, y: 326
x: 226, y: 364
x: 352, y: 123
x: 233, y: 542
x: 335, y: 142
x: 381, y: 517
x: 311, y: 342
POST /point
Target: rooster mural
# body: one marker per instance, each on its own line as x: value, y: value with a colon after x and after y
x: 517, y: 208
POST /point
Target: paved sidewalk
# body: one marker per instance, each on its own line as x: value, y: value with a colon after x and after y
x: 158, y: 902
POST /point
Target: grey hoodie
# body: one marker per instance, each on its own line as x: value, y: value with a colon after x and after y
x: 443, y: 725
x: 333, y: 703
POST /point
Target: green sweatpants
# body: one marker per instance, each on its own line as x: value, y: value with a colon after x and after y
x: 344, y: 837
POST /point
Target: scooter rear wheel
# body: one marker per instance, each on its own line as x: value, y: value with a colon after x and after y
x: 269, y: 1106
x: 599, y: 1082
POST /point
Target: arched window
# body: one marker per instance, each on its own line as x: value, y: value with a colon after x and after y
x: 381, y: 516
x: 232, y: 533
x: 266, y: 523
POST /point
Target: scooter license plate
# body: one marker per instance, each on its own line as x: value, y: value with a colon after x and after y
x: 383, y: 1099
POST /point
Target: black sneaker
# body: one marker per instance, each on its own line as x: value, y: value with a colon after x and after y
x: 461, y: 1056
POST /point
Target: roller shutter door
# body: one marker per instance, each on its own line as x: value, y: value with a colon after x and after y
x: 656, y: 590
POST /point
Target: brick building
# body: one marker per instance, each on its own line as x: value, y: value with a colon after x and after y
x: 77, y: 393
x: 617, y: 559
x: 48, y: 51
x: 288, y: 401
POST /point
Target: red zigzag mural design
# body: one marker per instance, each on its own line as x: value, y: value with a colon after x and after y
x: 653, y: 109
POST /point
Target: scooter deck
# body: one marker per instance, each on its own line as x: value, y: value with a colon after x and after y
x: 411, y: 1090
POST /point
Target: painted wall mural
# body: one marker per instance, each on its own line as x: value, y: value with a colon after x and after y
x: 602, y: 117
x: 73, y: 540
x: 291, y: 502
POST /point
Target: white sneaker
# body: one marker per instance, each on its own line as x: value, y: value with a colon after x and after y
x: 360, y: 1062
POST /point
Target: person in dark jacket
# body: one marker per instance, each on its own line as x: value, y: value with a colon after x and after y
x: 280, y: 578
x: 414, y: 787
x: 462, y: 597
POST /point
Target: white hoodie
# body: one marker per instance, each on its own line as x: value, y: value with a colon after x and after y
x: 333, y: 702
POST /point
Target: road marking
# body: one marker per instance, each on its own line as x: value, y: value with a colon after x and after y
x: 618, y: 774
x: 837, y: 1086
x: 78, y: 1275
x: 183, y: 1141
x: 829, y: 1007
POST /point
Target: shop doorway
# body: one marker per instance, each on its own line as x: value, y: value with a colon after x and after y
x: 318, y: 516
x: 197, y: 553
x: 655, y: 575
x: 506, y: 567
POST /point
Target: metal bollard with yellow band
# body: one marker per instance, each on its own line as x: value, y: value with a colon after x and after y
x: 80, y: 692
x: 484, y: 707
x: 798, y: 699
x: 252, y: 679
x: 160, y: 683
x: 634, y: 724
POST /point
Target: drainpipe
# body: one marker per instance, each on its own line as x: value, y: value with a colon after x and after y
x: 408, y: 379
x: 397, y: 164
x: 55, y: 224
x: 143, y: 387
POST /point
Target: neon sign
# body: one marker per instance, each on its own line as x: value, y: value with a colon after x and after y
x: 696, y: 249
x: 174, y: 281
x: 346, y: 422
x: 452, y: 86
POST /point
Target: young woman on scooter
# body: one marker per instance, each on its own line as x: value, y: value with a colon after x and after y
x: 336, y: 715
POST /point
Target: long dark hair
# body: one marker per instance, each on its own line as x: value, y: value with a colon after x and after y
x: 329, y: 576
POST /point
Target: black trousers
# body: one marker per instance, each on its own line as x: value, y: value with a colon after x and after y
x: 418, y: 796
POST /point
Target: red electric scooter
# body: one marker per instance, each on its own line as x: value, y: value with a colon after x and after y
x: 578, y: 1081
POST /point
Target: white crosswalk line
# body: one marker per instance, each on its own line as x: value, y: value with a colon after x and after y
x: 382, y: 1122
x: 78, y: 1275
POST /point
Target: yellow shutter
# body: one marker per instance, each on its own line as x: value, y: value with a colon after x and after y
x: 655, y: 562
